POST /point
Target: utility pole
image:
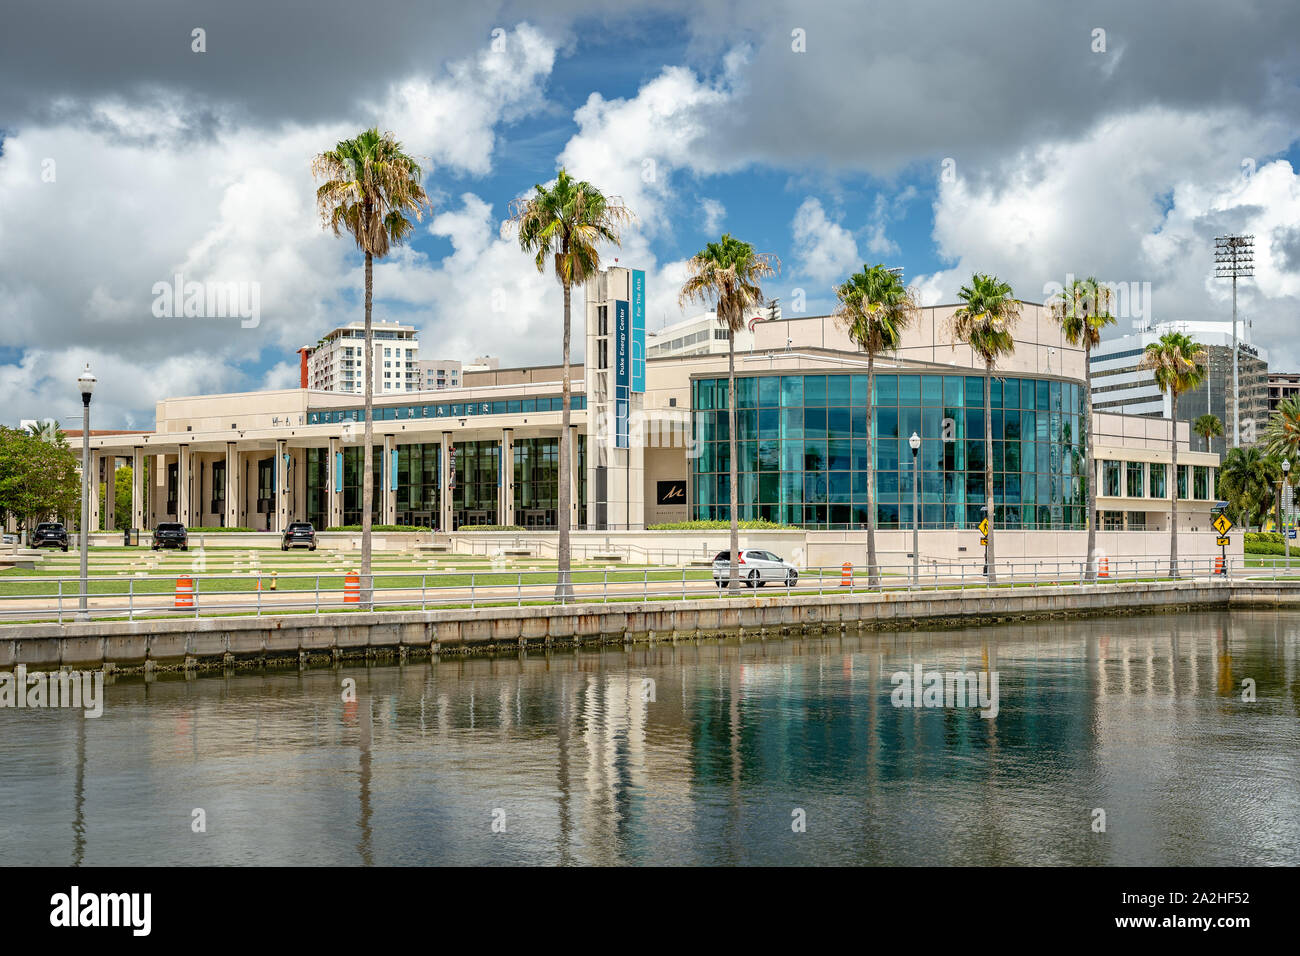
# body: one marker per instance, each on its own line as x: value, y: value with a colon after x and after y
x: 1234, y: 256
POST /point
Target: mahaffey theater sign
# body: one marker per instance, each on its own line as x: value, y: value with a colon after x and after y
x: 670, y: 493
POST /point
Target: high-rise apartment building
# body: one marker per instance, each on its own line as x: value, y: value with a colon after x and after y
x: 1120, y: 385
x: 434, y: 374
x: 1282, y: 385
x: 336, y: 362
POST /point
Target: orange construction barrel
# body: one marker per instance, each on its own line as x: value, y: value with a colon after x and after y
x: 185, y: 591
x: 1104, y: 571
x: 846, y: 575
x: 352, y: 588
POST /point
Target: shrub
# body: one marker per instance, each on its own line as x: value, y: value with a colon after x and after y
x: 497, y: 527
x: 753, y: 524
x: 379, y: 527
x: 1266, y: 542
x: 207, y: 529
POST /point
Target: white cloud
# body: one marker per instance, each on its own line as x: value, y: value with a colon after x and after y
x: 714, y: 213
x: 633, y: 147
x: 1136, y: 199
x: 826, y: 251
x: 137, y: 197
x: 452, y: 118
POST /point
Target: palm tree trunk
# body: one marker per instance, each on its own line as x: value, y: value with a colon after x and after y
x: 1089, y: 470
x: 368, y: 465
x: 988, y: 467
x: 733, y: 569
x: 1173, y: 497
x: 564, y: 504
x: 873, y: 568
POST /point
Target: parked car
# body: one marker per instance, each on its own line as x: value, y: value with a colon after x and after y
x: 756, y: 568
x: 50, y: 534
x: 299, y: 534
x: 170, y: 534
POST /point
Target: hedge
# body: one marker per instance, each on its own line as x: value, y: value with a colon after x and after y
x: 1266, y: 542
x: 379, y: 527
x: 751, y: 524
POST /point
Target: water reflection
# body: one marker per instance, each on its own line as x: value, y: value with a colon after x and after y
x: 586, y: 761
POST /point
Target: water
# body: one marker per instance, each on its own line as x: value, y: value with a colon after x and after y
x: 1141, y: 717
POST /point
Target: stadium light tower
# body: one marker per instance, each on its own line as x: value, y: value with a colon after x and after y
x: 1234, y: 256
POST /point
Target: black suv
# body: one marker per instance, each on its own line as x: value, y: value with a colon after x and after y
x: 299, y: 534
x: 170, y: 534
x: 50, y: 534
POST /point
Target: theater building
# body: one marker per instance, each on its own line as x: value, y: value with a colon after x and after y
x: 650, y: 441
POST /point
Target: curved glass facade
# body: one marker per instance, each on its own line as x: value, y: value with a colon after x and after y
x: 802, y: 449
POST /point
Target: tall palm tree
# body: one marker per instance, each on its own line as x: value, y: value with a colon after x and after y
x: 1281, y: 439
x: 1208, y: 426
x: 1178, y: 364
x: 370, y: 187
x: 729, y: 273
x: 984, y: 322
x: 1247, y: 481
x: 564, y: 223
x: 874, y: 308
x: 1083, y: 311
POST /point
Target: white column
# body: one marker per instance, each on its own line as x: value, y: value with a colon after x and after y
x: 232, y: 485
x: 137, y: 488
x: 281, y: 479
x: 388, y: 494
x: 573, y: 477
x: 444, y: 482
x: 335, y: 495
x: 95, y: 459
x: 506, y: 493
x: 110, y: 493
x: 184, y: 462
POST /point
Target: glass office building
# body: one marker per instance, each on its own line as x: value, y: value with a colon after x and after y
x: 803, y: 451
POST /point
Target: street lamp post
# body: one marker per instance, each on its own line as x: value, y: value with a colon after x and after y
x: 1286, y: 548
x: 915, y: 444
x: 86, y: 385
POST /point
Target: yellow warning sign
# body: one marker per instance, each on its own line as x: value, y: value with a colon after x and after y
x: 984, y: 541
x: 1222, y: 525
x: 984, y: 527
x: 1221, y: 542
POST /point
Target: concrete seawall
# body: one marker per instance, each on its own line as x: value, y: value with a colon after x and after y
x: 303, y: 639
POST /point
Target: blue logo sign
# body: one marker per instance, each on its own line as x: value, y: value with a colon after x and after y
x: 638, y: 330
x: 622, y: 371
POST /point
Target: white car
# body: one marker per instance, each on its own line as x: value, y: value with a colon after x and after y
x: 755, y: 569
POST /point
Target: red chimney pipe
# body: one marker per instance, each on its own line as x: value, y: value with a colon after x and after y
x: 303, y: 353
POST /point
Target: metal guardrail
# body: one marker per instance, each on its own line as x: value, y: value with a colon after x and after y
x: 237, y: 594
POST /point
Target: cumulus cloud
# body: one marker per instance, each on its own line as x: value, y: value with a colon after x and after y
x: 826, y: 251
x: 113, y: 198
x: 714, y: 213
x: 1136, y: 199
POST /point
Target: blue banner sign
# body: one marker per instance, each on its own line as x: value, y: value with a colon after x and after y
x: 622, y: 371
x: 638, y: 330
